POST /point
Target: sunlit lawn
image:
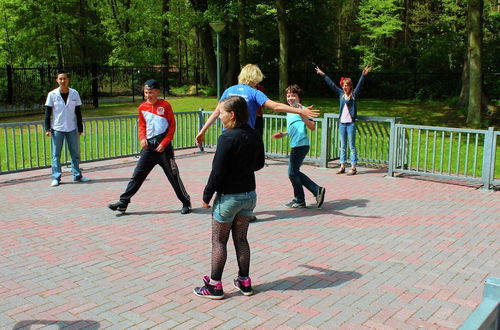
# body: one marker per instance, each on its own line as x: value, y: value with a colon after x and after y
x: 411, y: 112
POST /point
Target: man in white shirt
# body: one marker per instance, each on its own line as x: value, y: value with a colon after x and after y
x: 63, y: 121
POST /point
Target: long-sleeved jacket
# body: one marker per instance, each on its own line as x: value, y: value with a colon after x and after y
x: 351, y: 103
x: 156, y: 119
x: 240, y: 152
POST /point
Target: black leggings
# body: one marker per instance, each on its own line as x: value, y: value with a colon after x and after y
x: 220, y: 236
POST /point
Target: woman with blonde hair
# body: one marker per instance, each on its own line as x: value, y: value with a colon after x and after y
x: 248, y: 79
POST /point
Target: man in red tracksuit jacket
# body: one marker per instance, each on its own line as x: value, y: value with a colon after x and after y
x: 156, y: 131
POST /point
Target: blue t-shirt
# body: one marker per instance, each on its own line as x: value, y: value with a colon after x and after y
x: 297, y: 130
x: 254, y: 98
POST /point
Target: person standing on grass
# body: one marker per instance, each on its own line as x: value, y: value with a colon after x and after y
x: 63, y: 121
x: 156, y: 131
x: 299, y: 142
x: 248, y: 79
x: 347, y: 116
x: 240, y: 152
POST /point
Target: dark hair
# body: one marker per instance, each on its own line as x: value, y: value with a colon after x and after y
x: 62, y: 71
x: 296, y: 90
x: 238, y: 105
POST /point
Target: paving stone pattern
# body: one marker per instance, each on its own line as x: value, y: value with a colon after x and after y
x: 382, y: 253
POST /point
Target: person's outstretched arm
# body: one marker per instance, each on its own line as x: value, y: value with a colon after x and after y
x: 201, y: 134
x: 329, y: 82
x: 281, y: 107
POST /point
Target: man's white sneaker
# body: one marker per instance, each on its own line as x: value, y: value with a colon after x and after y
x: 54, y: 183
x: 83, y: 179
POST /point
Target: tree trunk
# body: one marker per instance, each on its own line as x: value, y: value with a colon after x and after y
x: 81, y: 21
x: 59, y: 41
x: 242, y: 29
x: 474, y: 38
x: 283, y: 56
x: 165, y: 57
x: 205, y: 35
x: 463, y: 98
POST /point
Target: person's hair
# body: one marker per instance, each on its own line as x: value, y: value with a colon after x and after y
x: 62, y: 71
x: 251, y: 75
x: 296, y: 90
x: 238, y: 105
x: 346, y: 81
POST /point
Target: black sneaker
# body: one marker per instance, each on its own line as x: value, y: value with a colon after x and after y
x: 208, y: 290
x: 118, y: 206
x: 320, y: 197
x: 245, y: 286
x: 186, y: 208
x: 296, y: 205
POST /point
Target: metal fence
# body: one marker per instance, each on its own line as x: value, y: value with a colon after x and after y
x: 450, y: 153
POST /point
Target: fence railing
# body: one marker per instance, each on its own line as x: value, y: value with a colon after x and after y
x: 450, y: 153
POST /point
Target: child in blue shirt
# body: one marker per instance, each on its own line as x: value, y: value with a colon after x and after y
x: 297, y: 125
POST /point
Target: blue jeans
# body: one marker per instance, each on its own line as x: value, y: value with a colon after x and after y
x: 227, y: 206
x: 297, y: 178
x: 72, y: 141
x: 347, y: 131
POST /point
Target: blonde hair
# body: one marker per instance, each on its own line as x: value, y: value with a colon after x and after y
x: 251, y: 75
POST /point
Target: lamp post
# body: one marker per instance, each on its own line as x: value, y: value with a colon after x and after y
x: 218, y: 26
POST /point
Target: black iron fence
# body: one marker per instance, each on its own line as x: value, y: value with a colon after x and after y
x: 26, y: 88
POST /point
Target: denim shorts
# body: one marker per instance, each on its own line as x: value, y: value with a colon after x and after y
x: 227, y: 206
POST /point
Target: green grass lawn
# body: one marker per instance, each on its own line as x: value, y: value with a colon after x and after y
x: 412, y: 112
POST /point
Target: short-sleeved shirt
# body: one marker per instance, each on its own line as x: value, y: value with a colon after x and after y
x: 254, y: 98
x: 297, y: 130
x: 63, y: 113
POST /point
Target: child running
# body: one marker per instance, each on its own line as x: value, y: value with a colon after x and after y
x: 240, y: 152
x: 297, y: 125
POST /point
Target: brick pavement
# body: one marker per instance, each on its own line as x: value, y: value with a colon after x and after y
x: 382, y: 253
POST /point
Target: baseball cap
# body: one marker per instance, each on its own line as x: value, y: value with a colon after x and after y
x: 152, y: 84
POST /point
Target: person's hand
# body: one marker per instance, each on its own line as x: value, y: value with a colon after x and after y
x: 366, y: 70
x: 47, y: 133
x: 200, y: 138
x: 160, y: 148
x: 310, y: 112
x: 277, y: 135
x: 81, y: 133
x: 205, y: 205
x: 318, y: 71
x: 144, y: 143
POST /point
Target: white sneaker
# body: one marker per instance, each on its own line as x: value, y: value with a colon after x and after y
x: 54, y: 183
x: 83, y: 179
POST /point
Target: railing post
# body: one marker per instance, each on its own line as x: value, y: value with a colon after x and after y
x: 325, y: 142
x: 201, y: 122
x: 392, y: 148
x: 95, y: 86
x: 10, y: 88
x: 487, y: 158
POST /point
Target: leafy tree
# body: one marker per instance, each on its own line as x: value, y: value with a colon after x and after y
x: 379, y: 20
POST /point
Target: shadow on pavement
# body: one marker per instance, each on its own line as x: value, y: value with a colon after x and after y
x: 325, y: 278
x: 37, y: 324
x: 329, y: 207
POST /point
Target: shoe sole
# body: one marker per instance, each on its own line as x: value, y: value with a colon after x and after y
x: 243, y: 292
x: 208, y: 297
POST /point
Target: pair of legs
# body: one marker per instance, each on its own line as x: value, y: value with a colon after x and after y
x: 72, y: 141
x: 148, y: 160
x: 297, y: 178
x: 347, y: 133
x: 231, y: 215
